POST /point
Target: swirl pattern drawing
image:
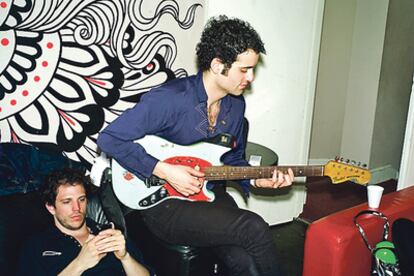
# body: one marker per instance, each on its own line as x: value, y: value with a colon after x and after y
x: 68, y: 68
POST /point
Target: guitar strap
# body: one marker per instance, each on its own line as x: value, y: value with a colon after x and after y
x: 154, y: 181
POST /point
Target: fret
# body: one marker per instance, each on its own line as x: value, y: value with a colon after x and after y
x: 235, y: 173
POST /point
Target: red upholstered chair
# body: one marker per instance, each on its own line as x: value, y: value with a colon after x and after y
x: 333, y: 245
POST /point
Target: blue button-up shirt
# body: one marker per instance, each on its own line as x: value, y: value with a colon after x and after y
x: 176, y: 111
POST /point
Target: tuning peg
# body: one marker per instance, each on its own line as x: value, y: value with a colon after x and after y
x: 342, y: 159
x: 337, y: 158
x: 347, y: 160
x: 353, y: 162
x: 364, y: 165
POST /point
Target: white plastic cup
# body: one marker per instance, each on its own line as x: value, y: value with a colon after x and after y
x: 374, y: 195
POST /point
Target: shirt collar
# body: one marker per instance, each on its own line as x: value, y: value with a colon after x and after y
x: 92, y: 225
x: 201, y: 91
x: 202, y: 94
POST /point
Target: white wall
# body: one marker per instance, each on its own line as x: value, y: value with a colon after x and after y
x: 332, y: 81
x: 406, y: 177
x: 394, y: 87
x: 363, y: 82
x: 280, y: 105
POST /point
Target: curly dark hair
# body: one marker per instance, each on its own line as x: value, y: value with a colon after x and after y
x: 225, y: 38
x: 65, y: 176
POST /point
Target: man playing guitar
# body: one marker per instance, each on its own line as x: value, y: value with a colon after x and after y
x: 193, y: 109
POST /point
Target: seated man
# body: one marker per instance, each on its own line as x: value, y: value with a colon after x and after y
x: 187, y: 111
x: 75, y: 245
x: 23, y: 169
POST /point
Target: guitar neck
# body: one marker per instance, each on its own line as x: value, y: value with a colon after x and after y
x: 237, y: 173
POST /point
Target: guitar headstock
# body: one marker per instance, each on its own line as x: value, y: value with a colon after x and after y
x: 341, y: 172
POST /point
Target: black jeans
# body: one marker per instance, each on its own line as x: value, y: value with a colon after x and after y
x: 241, y: 238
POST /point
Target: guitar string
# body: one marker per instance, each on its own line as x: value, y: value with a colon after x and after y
x: 217, y: 173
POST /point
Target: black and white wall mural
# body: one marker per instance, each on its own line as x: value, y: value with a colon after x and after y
x: 68, y: 68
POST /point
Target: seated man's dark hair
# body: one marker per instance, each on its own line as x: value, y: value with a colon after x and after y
x: 225, y: 38
x: 57, y: 178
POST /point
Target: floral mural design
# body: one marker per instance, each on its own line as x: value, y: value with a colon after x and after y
x: 68, y: 68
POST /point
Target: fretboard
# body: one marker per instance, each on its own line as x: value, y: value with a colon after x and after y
x: 237, y: 173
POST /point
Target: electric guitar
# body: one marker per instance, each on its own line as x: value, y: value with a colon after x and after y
x: 138, y: 194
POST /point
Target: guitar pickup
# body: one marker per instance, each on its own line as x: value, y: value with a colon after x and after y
x: 154, y: 181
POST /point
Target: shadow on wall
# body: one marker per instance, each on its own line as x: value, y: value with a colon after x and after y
x: 324, y: 198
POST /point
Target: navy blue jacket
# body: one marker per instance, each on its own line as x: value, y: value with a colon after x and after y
x: 176, y: 111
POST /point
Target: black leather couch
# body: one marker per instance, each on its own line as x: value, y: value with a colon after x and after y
x: 22, y: 170
x: 22, y: 213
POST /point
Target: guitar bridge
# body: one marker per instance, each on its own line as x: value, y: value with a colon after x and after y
x: 154, y: 181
